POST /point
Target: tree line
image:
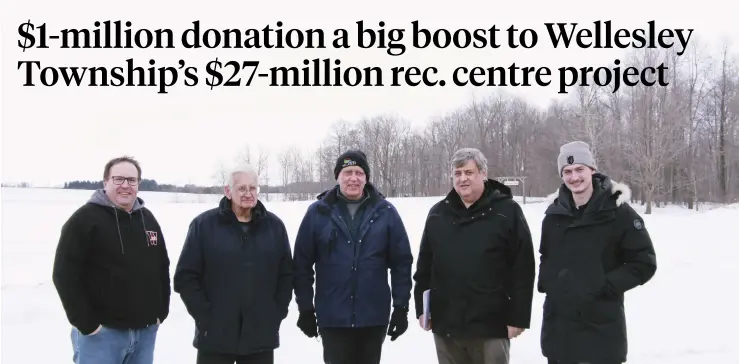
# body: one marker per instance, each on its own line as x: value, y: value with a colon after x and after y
x: 152, y: 185
x: 147, y: 185
x: 677, y: 144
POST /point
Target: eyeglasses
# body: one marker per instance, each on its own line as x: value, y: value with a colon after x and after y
x: 243, y: 189
x: 118, y: 180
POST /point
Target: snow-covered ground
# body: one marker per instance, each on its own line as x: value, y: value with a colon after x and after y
x: 686, y: 314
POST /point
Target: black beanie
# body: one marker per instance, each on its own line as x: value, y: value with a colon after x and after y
x: 352, y: 158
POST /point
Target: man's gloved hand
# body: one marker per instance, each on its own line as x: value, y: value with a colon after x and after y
x: 307, y: 323
x: 398, y: 323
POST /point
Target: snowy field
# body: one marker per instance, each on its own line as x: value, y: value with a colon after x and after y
x: 686, y: 314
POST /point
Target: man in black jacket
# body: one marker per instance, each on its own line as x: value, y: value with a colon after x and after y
x: 477, y: 260
x: 594, y: 248
x: 235, y: 276
x: 111, y: 271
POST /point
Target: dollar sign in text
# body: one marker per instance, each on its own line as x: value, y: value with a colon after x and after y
x: 25, y: 30
x: 213, y: 68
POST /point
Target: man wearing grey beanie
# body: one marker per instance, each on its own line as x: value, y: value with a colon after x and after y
x: 608, y: 252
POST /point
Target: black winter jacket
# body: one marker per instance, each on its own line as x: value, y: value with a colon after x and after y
x: 587, y: 264
x: 111, y: 267
x: 237, y: 286
x: 479, y: 264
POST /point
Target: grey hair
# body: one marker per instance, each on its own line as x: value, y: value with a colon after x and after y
x: 242, y: 168
x: 462, y: 156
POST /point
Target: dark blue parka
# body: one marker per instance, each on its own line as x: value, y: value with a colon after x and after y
x: 236, y: 285
x: 351, y: 270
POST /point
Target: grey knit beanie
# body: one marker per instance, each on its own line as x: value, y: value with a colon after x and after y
x: 576, y: 152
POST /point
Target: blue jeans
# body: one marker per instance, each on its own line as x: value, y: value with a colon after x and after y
x: 115, y: 346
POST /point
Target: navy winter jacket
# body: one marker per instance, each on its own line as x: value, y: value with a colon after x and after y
x: 351, y: 273
x: 237, y: 286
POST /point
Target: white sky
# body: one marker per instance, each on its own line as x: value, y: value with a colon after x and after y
x: 52, y: 135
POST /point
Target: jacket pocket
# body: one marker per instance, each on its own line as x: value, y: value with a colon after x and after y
x: 327, y: 246
x: 486, y: 305
x: 544, y: 279
x: 203, y: 323
x: 603, y: 311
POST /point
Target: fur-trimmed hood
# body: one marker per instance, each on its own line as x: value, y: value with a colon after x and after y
x: 619, y: 192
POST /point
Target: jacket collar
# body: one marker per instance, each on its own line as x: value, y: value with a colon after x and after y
x: 494, y: 191
x: 331, y: 197
x: 258, y: 212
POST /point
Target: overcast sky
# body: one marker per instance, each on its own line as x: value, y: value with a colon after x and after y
x: 55, y: 134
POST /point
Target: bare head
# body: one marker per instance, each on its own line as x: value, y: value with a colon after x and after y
x: 121, y: 178
x: 469, y: 170
x: 242, y: 187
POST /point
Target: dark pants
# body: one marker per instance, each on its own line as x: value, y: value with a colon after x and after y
x: 551, y: 361
x: 472, y: 351
x: 352, y: 345
x: 266, y: 357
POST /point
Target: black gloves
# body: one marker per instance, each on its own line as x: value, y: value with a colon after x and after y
x: 307, y: 323
x: 398, y: 323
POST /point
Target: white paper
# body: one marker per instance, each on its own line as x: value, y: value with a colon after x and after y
x: 426, y: 308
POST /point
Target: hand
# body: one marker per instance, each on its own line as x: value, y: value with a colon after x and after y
x: 420, y: 323
x: 513, y: 332
x: 398, y: 323
x: 307, y: 323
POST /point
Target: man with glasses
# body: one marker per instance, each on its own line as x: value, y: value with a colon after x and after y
x: 111, y: 271
x: 235, y: 276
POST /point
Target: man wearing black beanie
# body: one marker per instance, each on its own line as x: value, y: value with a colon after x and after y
x: 352, y: 158
x: 353, y: 236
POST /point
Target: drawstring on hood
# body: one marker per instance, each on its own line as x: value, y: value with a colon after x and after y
x: 100, y: 198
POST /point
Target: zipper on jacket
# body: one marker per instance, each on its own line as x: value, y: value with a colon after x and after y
x: 354, y: 268
x: 363, y: 228
x: 332, y: 243
x: 355, y: 261
x: 354, y: 273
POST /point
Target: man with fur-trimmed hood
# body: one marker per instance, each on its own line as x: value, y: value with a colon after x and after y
x: 594, y: 248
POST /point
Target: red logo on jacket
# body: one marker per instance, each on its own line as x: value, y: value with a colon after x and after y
x: 152, y: 237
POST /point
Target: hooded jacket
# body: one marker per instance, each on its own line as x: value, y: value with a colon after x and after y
x: 590, y: 257
x: 111, y: 267
x: 479, y: 265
